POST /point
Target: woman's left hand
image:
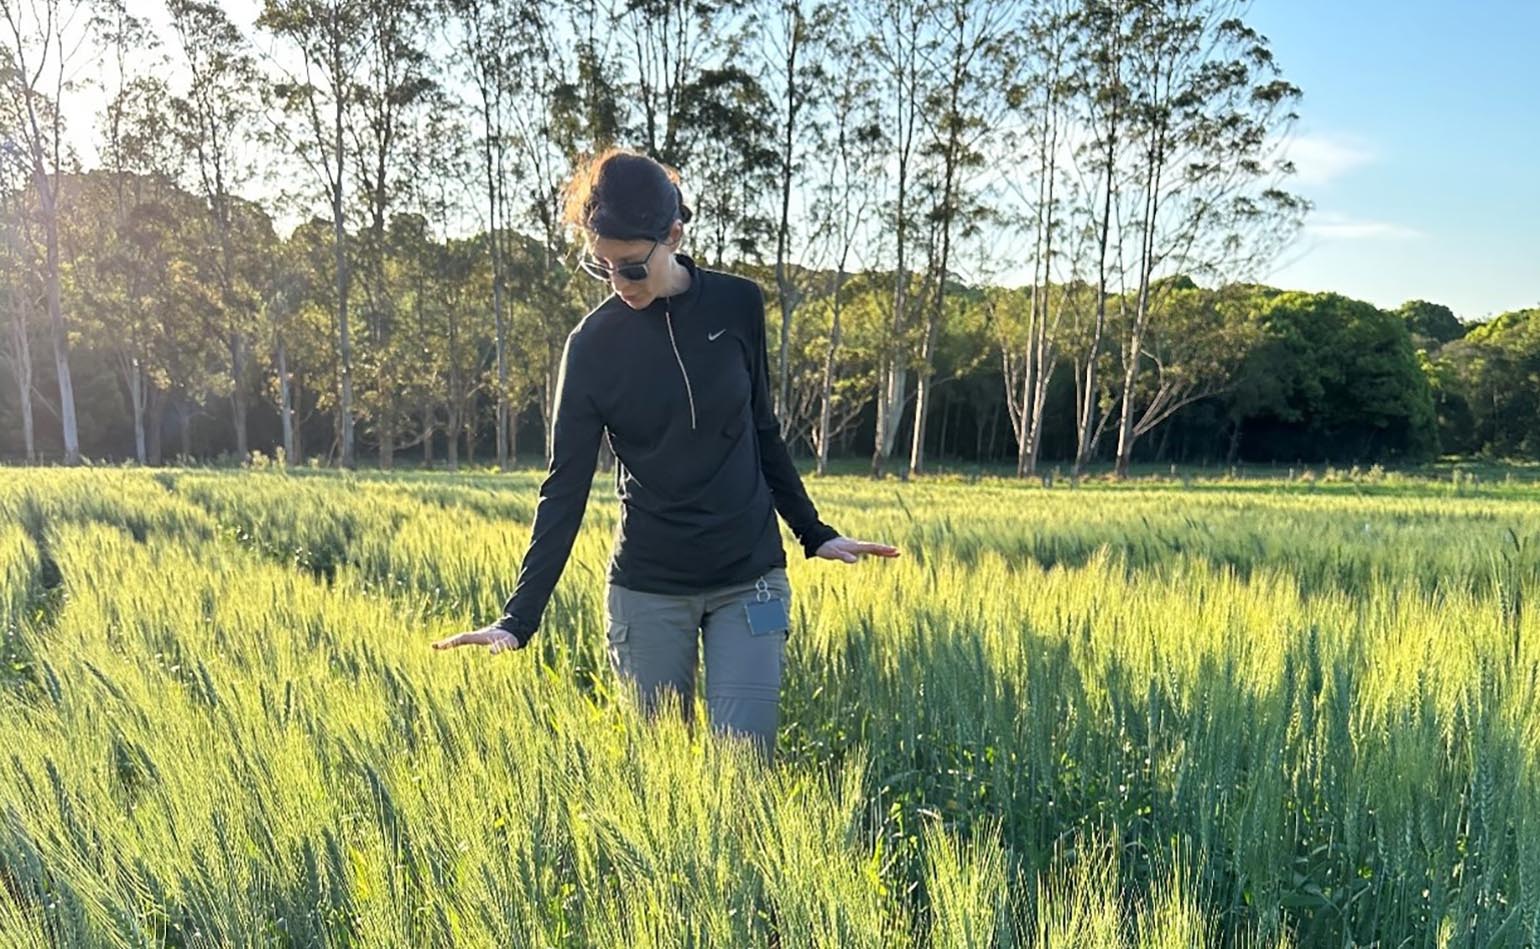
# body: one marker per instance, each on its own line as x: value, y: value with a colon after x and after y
x: 843, y: 548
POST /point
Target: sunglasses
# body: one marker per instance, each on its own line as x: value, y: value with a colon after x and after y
x: 634, y: 272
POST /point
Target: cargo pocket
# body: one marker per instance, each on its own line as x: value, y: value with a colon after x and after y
x: 618, y: 631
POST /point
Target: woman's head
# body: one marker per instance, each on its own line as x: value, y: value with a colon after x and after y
x: 630, y: 211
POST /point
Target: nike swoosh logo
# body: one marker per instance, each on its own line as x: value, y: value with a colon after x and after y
x: 712, y: 336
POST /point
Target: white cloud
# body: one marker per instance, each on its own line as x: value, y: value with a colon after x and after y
x: 1330, y: 225
x: 1319, y: 160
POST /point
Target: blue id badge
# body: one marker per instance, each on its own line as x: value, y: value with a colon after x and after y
x: 766, y: 611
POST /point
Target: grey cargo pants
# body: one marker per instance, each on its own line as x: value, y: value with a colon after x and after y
x: 654, y: 642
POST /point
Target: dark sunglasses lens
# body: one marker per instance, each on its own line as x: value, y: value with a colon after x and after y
x: 632, y: 272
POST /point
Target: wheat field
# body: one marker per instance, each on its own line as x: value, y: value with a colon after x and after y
x: 1270, y: 713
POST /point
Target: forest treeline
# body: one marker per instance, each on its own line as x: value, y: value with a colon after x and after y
x: 882, y: 168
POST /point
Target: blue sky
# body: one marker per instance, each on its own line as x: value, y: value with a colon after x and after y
x: 1419, y: 143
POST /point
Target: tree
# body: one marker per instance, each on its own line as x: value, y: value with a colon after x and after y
x: 17, y: 291
x: 213, y: 120
x: 1102, y: 96
x: 490, y: 35
x: 1341, y: 381
x: 330, y: 37
x: 393, y: 86
x: 1040, y: 90
x: 1432, y: 324
x: 130, y: 121
x: 796, y: 46
x: 842, y: 215
x: 732, y: 164
x: 1196, y: 342
x: 967, y: 110
x: 901, y: 41
x: 35, y: 61
x: 1207, y: 109
x: 1497, y: 371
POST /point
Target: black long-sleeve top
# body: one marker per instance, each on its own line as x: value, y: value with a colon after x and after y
x: 682, y: 390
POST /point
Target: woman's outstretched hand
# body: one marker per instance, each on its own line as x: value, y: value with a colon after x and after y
x: 494, y: 638
x: 843, y: 548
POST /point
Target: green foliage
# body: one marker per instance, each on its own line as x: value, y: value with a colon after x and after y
x: 1333, y: 377
x: 1431, y: 324
x: 1493, y: 377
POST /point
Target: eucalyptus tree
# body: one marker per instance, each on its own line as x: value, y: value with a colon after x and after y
x: 796, y: 40
x: 550, y: 75
x: 901, y: 42
x: 1039, y: 90
x: 18, y: 270
x: 1100, y: 92
x: 215, y: 117
x: 392, y: 87
x: 490, y: 36
x: 1208, y: 110
x: 963, y: 113
x: 330, y: 38
x: 732, y: 164
x: 854, y: 145
x: 446, y: 324
x: 667, y: 44
x: 285, y: 287
x: 115, y: 268
x: 38, y: 48
x: 542, y: 99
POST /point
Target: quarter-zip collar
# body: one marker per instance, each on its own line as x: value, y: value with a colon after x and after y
x: 678, y: 305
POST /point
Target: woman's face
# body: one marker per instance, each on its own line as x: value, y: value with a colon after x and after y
x: 658, y: 257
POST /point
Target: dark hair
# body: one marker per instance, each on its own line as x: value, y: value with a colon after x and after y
x: 622, y: 194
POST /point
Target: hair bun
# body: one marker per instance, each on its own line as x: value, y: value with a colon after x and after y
x: 684, y: 210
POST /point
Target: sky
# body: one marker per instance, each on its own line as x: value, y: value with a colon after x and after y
x: 1419, y: 145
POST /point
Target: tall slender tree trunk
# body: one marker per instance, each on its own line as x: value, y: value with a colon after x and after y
x: 58, y: 331
x: 184, y: 423
x: 1024, y: 421
x: 156, y: 421
x: 922, y: 398
x: 136, y: 397
x: 1126, y: 431
x: 21, y: 351
x: 933, y: 323
x: 513, y: 438
x: 427, y: 433
x: 1085, y: 439
x: 285, y: 411
x: 826, y: 407
x: 786, y: 292
x: 238, y: 402
x: 298, y: 414
x: 339, y: 228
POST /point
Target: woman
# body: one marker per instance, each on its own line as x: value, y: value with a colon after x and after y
x: 673, y: 369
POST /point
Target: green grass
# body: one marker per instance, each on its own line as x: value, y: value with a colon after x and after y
x: 1175, y: 712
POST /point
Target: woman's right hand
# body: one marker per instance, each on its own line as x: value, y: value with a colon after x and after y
x: 493, y: 637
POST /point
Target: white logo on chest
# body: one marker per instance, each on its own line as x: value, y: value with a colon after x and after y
x: 712, y: 336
